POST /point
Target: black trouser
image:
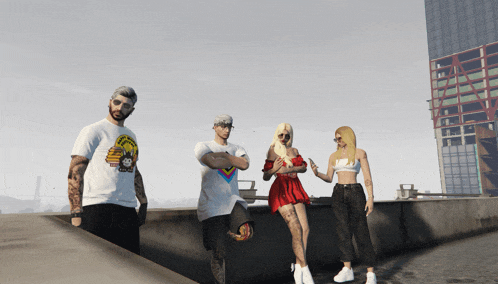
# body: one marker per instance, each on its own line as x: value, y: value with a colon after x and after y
x: 215, y: 237
x: 214, y: 229
x: 348, y: 205
x: 114, y: 223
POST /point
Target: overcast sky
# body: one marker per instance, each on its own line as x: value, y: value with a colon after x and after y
x: 317, y: 65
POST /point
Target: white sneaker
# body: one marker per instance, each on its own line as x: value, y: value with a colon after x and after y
x: 307, y: 278
x: 344, y: 275
x: 298, y: 273
x: 371, y: 279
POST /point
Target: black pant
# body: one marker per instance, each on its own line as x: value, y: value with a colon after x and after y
x: 214, y: 229
x: 114, y: 223
x: 215, y: 237
x: 348, y: 205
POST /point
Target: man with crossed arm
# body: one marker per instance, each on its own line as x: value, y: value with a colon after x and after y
x: 222, y: 212
x: 104, y: 181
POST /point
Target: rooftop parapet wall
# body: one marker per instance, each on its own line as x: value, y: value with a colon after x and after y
x: 49, y: 247
x: 173, y: 238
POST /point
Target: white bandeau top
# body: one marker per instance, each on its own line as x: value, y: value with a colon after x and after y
x: 340, y: 166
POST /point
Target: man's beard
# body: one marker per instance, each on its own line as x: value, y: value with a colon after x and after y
x: 123, y: 117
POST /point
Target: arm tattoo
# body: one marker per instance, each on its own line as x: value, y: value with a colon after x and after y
x: 368, y: 183
x: 77, y: 170
x: 139, y: 187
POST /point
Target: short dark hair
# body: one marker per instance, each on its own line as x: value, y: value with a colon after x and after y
x: 125, y: 92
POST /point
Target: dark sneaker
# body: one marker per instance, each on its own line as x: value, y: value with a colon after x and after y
x: 218, y: 269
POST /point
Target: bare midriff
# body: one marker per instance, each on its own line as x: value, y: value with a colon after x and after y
x: 345, y: 177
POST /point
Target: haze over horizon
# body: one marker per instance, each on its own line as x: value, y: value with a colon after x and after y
x: 317, y: 65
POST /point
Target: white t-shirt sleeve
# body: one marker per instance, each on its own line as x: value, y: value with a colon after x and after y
x: 136, y: 141
x: 241, y: 152
x: 86, y: 143
x: 200, y: 150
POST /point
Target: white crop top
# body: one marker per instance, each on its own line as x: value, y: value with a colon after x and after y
x: 340, y: 166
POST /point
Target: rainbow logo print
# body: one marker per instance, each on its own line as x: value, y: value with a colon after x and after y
x: 227, y: 174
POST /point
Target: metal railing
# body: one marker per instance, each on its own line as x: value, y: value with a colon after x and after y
x: 250, y: 196
x: 454, y: 194
x: 402, y: 194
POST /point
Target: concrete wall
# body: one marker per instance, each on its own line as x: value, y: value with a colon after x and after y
x: 173, y: 238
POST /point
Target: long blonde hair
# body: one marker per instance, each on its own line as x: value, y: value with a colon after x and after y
x: 279, y: 148
x: 348, y: 136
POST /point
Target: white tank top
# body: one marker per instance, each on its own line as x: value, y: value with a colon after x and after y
x: 340, y: 166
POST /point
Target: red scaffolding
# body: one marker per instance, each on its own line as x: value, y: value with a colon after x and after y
x: 457, y: 69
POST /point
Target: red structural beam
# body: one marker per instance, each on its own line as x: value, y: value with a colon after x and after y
x: 456, y: 63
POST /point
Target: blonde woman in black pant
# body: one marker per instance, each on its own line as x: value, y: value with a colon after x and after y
x: 349, y: 204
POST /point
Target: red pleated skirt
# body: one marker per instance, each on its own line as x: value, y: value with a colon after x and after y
x: 286, y: 190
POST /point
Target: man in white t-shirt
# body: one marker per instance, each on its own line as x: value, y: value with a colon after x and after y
x: 104, y: 181
x: 222, y: 212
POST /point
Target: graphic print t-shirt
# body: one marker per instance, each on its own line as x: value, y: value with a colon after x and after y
x: 219, y: 189
x: 113, y: 153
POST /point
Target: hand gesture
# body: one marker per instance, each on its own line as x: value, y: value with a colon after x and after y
x: 369, y: 207
x: 76, y: 221
x: 279, y: 162
x: 314, y: 167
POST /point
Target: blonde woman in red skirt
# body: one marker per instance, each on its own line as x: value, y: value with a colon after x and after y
x: 287, y: 195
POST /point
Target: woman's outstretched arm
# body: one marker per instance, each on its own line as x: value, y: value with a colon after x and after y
x: 330, y: 170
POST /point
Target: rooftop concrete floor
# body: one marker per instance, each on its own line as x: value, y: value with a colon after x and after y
x: 470, y: 260
x: 39, y: 248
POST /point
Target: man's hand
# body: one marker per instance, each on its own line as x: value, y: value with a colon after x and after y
x: 76, y: 221
x: 142, y: 214
x: 221, y: 160
x: 142, y: 198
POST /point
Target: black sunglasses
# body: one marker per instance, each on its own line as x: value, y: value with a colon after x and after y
x: 117, y: 102
x: 281, y: 135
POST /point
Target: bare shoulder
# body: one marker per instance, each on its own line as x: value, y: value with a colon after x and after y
x: 295, y: 151
x: 332, y: 158
x: 271, y: 155
x: 361, y: 154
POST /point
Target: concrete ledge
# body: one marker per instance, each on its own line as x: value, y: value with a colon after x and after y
x: 53, y: 251
x: 173, y: 238
x: 41, y: 248
x: 428, y: 222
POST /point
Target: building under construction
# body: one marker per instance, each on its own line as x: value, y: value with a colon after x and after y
x: 463, y: 52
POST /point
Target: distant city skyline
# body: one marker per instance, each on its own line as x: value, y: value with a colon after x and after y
x: 317, y: 65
